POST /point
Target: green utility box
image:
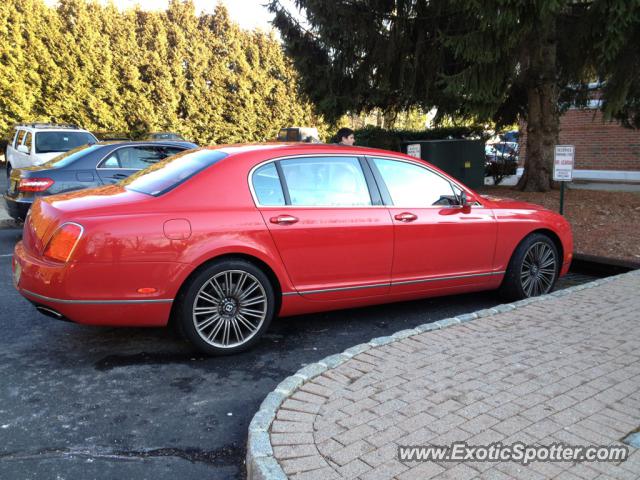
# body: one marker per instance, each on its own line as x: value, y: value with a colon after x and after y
x: 462, y: 159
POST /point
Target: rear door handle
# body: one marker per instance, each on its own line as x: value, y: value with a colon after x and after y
x: 283, y: 219
x: 406, y: 217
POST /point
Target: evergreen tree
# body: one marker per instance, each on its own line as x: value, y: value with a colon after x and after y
x: 491, y: 60
x: 137, y: 71
x: 19, y: 82
x: 132, y: 104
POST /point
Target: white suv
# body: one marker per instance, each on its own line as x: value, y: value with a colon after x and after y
x: 36, y: 143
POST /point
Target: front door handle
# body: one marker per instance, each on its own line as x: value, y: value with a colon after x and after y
x: 406, y: 217
x: 283, y: 219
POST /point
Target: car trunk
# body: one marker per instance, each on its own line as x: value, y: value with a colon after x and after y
x: 47, y: 213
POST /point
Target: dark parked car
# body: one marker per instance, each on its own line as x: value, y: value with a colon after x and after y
x: 85, y: 167
x: 164, y: 136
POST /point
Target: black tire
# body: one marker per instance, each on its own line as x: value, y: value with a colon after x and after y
x: 8, y: 173
x: 525, y: 264
x: 213, y: 308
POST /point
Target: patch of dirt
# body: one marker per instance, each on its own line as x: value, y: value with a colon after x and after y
x: 606, y: 224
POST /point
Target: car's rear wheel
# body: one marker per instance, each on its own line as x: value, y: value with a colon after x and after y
x: 226, y: 307
x: 533, y: 268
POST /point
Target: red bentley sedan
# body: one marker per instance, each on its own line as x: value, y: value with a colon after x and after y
x: 221, y: 240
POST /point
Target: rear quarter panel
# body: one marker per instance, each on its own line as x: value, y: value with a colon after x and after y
x: 219, y: 218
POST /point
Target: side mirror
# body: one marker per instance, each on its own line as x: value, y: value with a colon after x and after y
x: 23, y: 149
x: 466, y: 201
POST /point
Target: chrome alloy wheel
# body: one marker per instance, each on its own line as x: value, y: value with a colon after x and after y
x: 539, y: 268
x: 229, y: 308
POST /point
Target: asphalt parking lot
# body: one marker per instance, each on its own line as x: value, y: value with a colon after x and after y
x: 106, y: 403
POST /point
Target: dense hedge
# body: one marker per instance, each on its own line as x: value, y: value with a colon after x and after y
x: 136, y: 71
x: 392, y: 139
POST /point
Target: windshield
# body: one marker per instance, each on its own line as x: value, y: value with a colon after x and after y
x: 171, y: 172
x: 165, y: 136
x: 70, y: 157
x: 61, y: 141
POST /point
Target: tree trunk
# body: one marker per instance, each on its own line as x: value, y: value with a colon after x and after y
x: 389, y: 119
x: 543, y: 115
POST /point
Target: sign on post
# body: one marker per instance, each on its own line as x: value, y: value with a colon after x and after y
x: 563, y: 163
x: 563, y: 168
x: 414, y: 150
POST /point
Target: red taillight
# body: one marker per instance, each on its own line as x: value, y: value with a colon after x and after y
x: 63, y: 242
x: 34, y: 184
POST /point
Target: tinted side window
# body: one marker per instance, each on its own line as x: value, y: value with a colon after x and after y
x: 139, y: 158
x: 19, y: 138
x: 27, y: 141
x: 168, y: 151
x: 14, y: 142
x: 266, y: 185
x: 326, y: 181
x: 413, y: 186
x: 110, y: 162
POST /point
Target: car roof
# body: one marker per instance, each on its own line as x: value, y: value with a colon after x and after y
x: 50, y: 127
x: 133, y: 143
x: 302, y: 148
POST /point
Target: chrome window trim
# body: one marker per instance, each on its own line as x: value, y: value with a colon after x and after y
x: 307, y: 155
x: 425, y: 167
x: 93, y: 302
x: 359, y: 155
x: 155, y: 144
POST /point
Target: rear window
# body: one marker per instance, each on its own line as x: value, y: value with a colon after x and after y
x: 47, y: 142
x: 171, y: 172
x: 71, y: 156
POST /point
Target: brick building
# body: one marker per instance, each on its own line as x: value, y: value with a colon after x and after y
x: 604, y: 150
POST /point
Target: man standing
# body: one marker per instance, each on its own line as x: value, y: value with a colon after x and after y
x: 345, y: 137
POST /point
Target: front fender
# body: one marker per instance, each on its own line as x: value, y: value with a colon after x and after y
x: 514, y: 225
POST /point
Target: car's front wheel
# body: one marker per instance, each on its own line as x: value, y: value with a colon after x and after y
x: 226, y: 307
x: 533, y: 268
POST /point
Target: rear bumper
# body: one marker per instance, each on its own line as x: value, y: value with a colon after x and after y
x: 54, y: 287
x: 17, y: 209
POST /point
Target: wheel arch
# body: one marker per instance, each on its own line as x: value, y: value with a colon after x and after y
x: 554, y: 238
x: 258, y: 262
x: 507, y: 288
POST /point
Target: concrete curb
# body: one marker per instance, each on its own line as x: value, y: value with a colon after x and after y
x: 260, y: 461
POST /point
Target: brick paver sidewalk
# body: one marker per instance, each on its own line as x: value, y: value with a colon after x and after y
x: 563, y: 369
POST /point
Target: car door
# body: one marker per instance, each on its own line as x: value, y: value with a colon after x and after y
x: 438, y: 243
x: 325, y: 216
x: 125, y: 161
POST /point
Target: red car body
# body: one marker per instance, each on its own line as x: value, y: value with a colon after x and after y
x: 136, y: 251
